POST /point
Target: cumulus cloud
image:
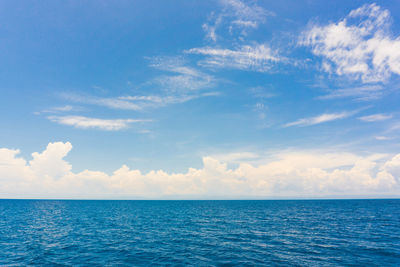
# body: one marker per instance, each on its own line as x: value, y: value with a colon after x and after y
x: 96, y: 123
x: 256, y: 57
x: 375, y: 117
x: 50, y: 162
x: 319, y: 119
x: 359, y: 46
x: 286, y: 174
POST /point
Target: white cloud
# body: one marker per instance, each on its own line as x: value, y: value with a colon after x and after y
x: 382, y: 138
x: 258, y: 57
x: 235, y: 16
x: 319, y: 119
x: 155, y: 101
x: 60, y: 109
x: 246, y: 12
x: 63, y: 108
x: 232, y: 23
x: 245, y: 23
x: 140, y: 102
x: 50, y: 162
x: 85, y: 122
x: 359, y: 46
x: 109, y: 102
x: 394, y: 127
x: 375, y: 117
x: 181, y: 85
x: 362, y: 93
x: 293, y: 174
x: 186, y: 79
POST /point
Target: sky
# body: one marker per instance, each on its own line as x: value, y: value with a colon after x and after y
x: 224, y: 99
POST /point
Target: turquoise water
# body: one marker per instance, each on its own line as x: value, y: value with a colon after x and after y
x: 200, y: 233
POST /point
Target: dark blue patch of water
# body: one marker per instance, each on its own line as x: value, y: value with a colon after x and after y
x: 201, y: 233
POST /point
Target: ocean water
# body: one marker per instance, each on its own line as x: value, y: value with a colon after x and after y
x: 200, y: 233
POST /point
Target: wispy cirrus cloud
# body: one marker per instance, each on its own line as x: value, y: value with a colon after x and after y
x: 96, y: 123
x: 243, y: 12
x: 232, y: 23
x: 375, y: 117
x: 181, y: 84
x: 235, y: 18
x: 361, y: 93
x: 59, y: 109
x: 256, y: 57
x: 156, y: 101
x: 109, y: 102
x: 360, y: 46
x: 320, y: 119
x: 138, y: 102
x: 181, y: 78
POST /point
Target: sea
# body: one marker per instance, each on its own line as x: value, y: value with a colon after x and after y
x: 200, y: 233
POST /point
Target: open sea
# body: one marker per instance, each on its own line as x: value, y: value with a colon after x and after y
x: 200, y: 233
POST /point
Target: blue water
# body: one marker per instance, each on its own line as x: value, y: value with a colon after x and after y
x: 201, y: 233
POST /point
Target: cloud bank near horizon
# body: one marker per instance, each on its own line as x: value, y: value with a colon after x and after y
x: 287, y: 174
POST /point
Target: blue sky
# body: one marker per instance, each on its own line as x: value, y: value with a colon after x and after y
x: 177, y: 85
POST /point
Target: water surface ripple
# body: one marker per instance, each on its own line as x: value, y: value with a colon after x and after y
x: 200, y: 233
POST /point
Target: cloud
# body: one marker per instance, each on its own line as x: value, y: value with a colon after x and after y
x: 233, y: 23
x: 360, y: 46
x: 50, y: 162
x: 109, y: 102
x: 186, y: 79
x: 101, y: 124
x: 245, y: 23
x: 139, y: 102
x: 382, y: 138
x: 210, y: 31
x: 65, y: 108
x: 235, y: 16
x: 155, y: 101
x: 395, y: 127
x: 375, y: 117
x: 182, y: 84
x: 287, y: 174
x: 362, y: 93
x: 258, y: 57
x: 249, y: 13
x: 319, y: 119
